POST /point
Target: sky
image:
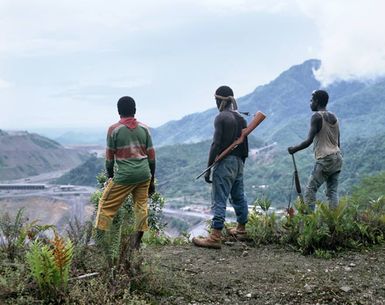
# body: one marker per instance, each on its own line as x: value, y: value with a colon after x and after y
x: 64, y: 64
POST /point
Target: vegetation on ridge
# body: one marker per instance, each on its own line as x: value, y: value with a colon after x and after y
x: 116, y: 274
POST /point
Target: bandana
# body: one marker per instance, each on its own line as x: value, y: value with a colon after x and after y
x: 130, y: 122
x: 225, y: 101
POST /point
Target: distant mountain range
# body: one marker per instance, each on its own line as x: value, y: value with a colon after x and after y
x: 24, y: 154
x: 285, y: 101
x: 182, y: 145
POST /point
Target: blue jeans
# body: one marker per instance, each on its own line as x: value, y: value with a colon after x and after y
x: 228, y: 181
x: 327, y: 170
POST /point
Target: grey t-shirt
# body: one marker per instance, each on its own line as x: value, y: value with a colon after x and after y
x: 326, y: 140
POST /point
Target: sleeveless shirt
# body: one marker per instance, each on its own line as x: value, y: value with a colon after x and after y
x: 326, y: 140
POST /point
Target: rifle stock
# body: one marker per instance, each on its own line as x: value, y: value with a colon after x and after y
x: 258, y: 118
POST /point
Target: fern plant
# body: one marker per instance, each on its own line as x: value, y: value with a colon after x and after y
x: 15, y: 232
x: 263, y: 228
x: 41, y: 264
x: 10, y: 233
x: 50, y: 264
x: 62, y: 253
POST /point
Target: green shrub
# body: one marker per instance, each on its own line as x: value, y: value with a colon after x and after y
x: 50, y: 265
x: 15, y: 232
x: 263, y: 228
x: 327, y: 230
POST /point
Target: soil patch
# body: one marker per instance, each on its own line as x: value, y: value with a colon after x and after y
x: 238, y: 274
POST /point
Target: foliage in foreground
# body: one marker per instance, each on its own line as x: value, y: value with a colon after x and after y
x: 37, y: 270
x: 327, y: 230
x: 50, y: 265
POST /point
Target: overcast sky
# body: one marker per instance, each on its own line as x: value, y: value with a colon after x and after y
x: 66, y: 63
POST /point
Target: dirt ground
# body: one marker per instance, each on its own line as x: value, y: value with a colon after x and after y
x: 238, y: 274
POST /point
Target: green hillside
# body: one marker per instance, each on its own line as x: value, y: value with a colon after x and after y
x: 85, y: 174
x: 285, y: 101
x: 268, y: 174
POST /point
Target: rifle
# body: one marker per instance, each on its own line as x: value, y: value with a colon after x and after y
x: 258, y: 118
x: 296, y: 180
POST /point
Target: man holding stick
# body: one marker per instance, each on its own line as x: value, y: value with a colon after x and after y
x: 325, y: 132
x: 227, y: 176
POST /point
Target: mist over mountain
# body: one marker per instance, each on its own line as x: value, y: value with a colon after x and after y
x: 182, y: 145
x: 285, y: 101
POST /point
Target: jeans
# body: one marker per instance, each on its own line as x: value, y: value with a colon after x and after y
x: 228, y: 181
x: 327, y: 170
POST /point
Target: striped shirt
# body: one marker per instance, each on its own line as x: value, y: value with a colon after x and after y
x: 130, y: 150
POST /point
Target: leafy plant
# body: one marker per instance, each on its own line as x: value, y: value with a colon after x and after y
x: 264, y: 203
x: 50, y: 264
x: 15, y: 232
x: 263, y: 228
x: 62, y: 253
x: 12, y: 234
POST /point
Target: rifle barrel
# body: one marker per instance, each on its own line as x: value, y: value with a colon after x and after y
x: 202, y: 173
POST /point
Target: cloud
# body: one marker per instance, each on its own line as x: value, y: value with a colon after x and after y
x: 352, y: 35
x: 100, y: 91
x: 45, y: 27
x: 241, y: 6
x: 4, y: 84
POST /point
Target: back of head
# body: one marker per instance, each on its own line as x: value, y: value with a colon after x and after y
x: 126, y: 106
x: 321, y: 96
x: 224, y: 97
x: 224, y: 91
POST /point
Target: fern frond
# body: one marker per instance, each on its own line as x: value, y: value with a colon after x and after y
x: 41, y: 263
x: 62, y: 252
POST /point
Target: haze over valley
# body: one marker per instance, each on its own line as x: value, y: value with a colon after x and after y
x: 182, y: 147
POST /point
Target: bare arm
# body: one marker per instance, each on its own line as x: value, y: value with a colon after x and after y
x: 315, y: 127
x: 215, y: 146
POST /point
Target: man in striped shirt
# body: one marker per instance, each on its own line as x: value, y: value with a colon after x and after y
x: 131, y: 153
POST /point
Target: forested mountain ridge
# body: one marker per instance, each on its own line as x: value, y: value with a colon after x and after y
x: 266, y: 174
x: 285, y: 101
x: 360, y: 107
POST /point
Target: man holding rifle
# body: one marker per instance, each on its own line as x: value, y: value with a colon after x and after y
x: 227, y: 176
x: 325, y: 132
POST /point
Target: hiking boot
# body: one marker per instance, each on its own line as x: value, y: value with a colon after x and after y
x: 213, y: 241
x: 239, y: 232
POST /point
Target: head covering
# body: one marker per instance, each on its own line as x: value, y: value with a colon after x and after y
x: 129, y: 122
x: 225, y: 95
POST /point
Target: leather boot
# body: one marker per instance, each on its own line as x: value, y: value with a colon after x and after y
x: 212, y: 241
x: 239, y: 232
x: 138, y: 239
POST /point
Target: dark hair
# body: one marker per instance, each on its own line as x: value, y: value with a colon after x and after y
x: 224, y: 91
x: 126, y: 106
x: 321, y: 96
